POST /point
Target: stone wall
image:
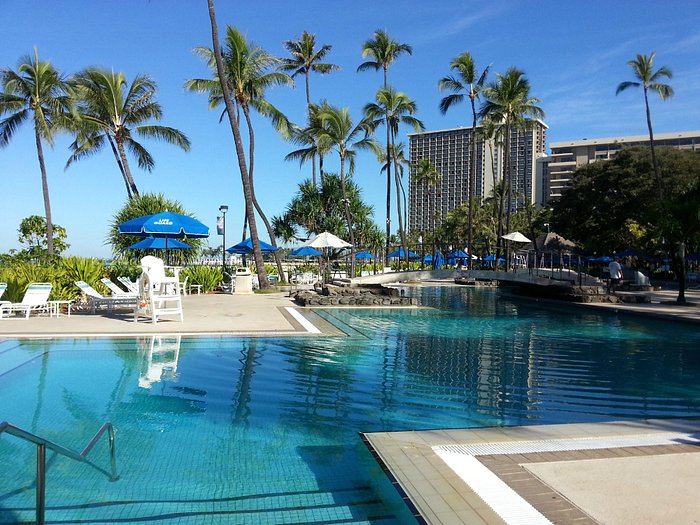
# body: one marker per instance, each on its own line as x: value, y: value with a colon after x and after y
x: 375, y: 295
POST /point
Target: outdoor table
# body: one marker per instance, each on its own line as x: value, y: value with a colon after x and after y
x: 55, y: 308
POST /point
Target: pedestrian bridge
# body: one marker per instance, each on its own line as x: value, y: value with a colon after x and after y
x: 534, y: 276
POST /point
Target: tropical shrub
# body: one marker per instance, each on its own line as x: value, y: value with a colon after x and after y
x: 149, y: 204
x: 208, y: 277
x: 124, y: 268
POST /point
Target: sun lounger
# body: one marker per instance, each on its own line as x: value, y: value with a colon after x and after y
x: 35, y: 300
x: 116, y: 291
x: 130, y: 285
x: 97, y: 300
x: 3, y: 287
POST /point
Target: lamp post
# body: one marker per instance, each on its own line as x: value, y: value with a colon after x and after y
x: 223, y: 209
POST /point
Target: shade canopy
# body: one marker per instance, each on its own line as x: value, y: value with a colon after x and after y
x: 439, y: 260
x: 491, y: 258
x: 164, y: 224
x: 400, y: 253
x: 327, y: 240
x: 553, y: 242
x: 365, y: 255
x: 245, y: 247
x: 459, y: 254
x: 305, y: 251
x: 515, y: 237
x: 159, y: 243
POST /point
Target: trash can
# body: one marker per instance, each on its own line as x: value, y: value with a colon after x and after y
x: 244, y: 281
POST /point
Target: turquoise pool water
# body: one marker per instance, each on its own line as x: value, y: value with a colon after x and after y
x: 221, y: 430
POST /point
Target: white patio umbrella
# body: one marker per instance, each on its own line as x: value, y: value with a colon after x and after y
x: 327, y: 241
x: 515, y: 237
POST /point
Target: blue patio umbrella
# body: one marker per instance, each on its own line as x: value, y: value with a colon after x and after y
x: 245, y: 247
x: 439, y: 260
x: 399, y: 253
x: 364, y: 255
x: 459, y: 254
x: 600, y: 258
x: 159, y: 243
x: 693, y: 257
x: 305, y: 251
x: 165, y: 224
x: 491, y: 258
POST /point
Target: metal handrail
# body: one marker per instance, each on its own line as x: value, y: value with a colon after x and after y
x: 42, y: 444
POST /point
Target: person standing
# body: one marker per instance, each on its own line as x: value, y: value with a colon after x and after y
x: 615, y: 274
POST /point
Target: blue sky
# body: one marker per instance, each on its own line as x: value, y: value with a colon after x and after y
x: 573, y: 53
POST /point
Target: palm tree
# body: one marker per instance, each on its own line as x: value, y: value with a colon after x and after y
x: 310, y: 138
x: 305, y: 59
x: 508, y: 105
x: 338, y: 129
x: 37, y: 91
x: 469, y: 84
x: 315, y: 209
x: 240, y: 153
x: 249, y: 71
x: 393, y: 108
x: 643, y: 69
x: 113, y: 111
x: 383, y: 51
x: 428, y: 176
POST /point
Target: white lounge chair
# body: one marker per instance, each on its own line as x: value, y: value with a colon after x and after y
x: 35, y: 300
x: 116, y: 291
x: 131, y: 286
x: 97, y: 300
x: 3, y: 287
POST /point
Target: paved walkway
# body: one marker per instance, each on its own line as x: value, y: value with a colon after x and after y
x: 242, y: 315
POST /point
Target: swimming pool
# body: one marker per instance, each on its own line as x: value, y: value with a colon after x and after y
x: 222, y: 430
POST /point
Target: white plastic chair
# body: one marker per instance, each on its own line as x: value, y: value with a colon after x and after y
x: 97, y: 300
x: 35, y: 300
x: 116, y: 291
x: 3, y: 287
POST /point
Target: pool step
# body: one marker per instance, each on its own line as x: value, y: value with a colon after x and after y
x: 347, y: 506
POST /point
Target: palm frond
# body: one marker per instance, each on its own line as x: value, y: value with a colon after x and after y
x: 166, y: 134
x: 143, y: 157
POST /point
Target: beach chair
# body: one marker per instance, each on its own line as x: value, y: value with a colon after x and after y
x: 116, y: 291
x: 131, y: 286
x: 97, y: 300
x: 3, y: 287
x: 35, y: 300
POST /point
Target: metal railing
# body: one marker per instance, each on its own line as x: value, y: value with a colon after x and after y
x: 41, y: 446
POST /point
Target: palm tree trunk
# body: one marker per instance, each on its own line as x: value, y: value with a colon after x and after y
x: 258, y: 208
x: 388, y: 190
x: 308, y: 108
x: 509, y: 196
x: 472, y: 169
x: 657, y: 176
x: 121, y: 166
x: 45, y: 191
x: 127, y: 171
x: 230, y: 111
x: 402, y: 233
x: 348, y: 216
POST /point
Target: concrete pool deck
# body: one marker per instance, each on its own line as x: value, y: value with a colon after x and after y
x: 649, y: 479
x: 261, y: 315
